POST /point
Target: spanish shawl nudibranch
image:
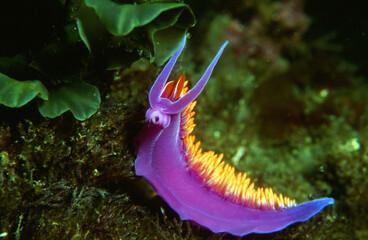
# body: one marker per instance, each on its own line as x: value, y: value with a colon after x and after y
x: 198, y: 184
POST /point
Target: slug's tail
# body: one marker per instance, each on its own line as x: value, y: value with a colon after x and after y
x: 278, y: 220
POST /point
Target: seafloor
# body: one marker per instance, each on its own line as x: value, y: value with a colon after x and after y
x: 287, y: 103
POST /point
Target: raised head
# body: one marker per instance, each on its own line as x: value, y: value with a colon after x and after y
x: 165, y: 99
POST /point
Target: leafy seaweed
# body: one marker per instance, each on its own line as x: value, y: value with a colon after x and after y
x: 14, y: 93
x: 79, y: 97
x: 82, y: 34
x: 113, y: 33
x: 165, y: 24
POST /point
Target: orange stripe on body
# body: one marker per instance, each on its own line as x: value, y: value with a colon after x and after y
x: 218, y: 175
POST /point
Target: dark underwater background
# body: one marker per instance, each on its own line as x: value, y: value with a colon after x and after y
x: 287, y: 104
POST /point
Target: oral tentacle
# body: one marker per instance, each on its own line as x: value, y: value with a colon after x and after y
x: 158, y: 86
x: 192, y: 94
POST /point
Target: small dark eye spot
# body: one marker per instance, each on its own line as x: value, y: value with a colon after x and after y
x: 156, y: 119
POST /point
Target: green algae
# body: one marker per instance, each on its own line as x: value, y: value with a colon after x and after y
x: 290, y: 113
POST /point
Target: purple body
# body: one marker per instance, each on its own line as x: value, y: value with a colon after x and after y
x: 161, y: 160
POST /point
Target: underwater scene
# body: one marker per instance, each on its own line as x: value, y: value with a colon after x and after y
x: 184, y: 120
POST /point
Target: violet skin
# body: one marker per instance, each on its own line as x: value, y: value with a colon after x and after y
x: 162, y: 161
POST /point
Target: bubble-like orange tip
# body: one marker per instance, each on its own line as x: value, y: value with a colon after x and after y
x: 173, y: 89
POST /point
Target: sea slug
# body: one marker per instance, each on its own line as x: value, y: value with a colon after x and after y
x: 199, y: 185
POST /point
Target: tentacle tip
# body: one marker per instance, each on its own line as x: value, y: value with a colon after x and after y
x: 183, y: 42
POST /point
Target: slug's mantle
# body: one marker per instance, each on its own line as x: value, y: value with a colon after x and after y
x: 199, y: 185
